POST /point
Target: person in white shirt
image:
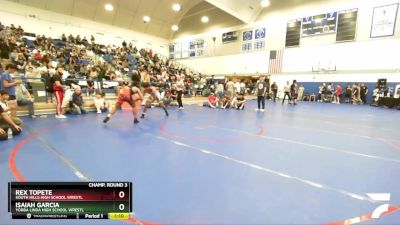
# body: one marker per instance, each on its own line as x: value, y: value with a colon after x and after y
x: 100, y: 103
x: 237, y: 87
x: 286, y: 90
x: 220, y: 90
x: 242, y: 87
x: 180, y: 85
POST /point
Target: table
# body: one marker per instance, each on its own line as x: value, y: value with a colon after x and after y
x: 389, y: 102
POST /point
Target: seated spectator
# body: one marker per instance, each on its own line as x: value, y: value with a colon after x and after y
x: 168, y: 98
x: 225, y: 102
x: 212, y: 101
x: 6, y: 120
x: 24, y: 98
x: 77, y: 102
x: 239, y: 102
x: 100, y: 103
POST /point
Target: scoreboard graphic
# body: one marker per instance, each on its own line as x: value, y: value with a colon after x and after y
x: 65, y: 200
x: 319, y: 24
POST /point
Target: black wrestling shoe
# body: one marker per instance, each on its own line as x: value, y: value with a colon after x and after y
x: 142, y: 116
x: 106, y: 119
x: 136, y: 121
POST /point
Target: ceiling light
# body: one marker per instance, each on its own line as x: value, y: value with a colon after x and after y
x: 146, y: 19
x: 109, y: 7
x: 265, y: 3
x: 176, y: 7
x: 205, y: 19
x: 175, y: 27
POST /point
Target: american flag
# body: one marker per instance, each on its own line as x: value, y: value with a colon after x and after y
x: 275, y: 61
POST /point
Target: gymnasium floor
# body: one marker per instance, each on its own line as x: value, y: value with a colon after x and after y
x: 308, y: 164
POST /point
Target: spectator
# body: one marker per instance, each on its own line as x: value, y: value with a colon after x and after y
x: 261, y: 92
x: 347, y: 94
x: 237, y: 87
x: 8, y: 84
x: 100, y: 103
x: 225, y: 102
x: 293, y: 92
x: 363, y: 93
x: 220, y: 90
x: 230, y: 88
x: 179, y: 88
x: 301, y: 92
x: 242, y: 87
x: 338, y: 92
x: 240, y: 101
x: 286, y: 91
x: 320, y: 88
x: 6, y: 120
x: 77, y: 102
x: 24, y: 98
x: 356, y: 94
x: 274, y: 88
x: 212, y: 101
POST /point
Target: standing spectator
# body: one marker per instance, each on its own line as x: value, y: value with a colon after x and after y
x: 293, y: 92
x: 286, y: 91
x: 261, y: 92
x: 242, y: 87
x: 63, y: 38
x: 220, y: 90
x: 25, y: 98
x: 347, y: 94
x: 230, y: 88
x: 364, y: 93
x: 301, y: 92
x: 274, y: 88
x: 58, y: 92
x: 356, y: 94
x: 320, y: 88
x: 338, y: 92
x: 237, y: 87
x: 100, y: 103
x: 179, y: 88
x: 77, y: 102
x: 8, y: 84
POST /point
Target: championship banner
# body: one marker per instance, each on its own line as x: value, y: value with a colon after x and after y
x: 384, y: 20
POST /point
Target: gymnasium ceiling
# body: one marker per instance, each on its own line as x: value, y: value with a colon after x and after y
x: 129, y: 13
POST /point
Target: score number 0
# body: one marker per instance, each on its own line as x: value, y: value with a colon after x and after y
x: 121, y: 195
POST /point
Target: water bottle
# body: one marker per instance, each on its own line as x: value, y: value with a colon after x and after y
x: 10, y: 133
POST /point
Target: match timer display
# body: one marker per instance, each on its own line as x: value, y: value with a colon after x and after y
x: 70, y: 200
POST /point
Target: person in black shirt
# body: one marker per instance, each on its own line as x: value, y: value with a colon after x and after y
x: 274, y: 89
x: 293, y: 92
x: 364, y: 93
x: 261, y: 92
x: 347, y: 94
